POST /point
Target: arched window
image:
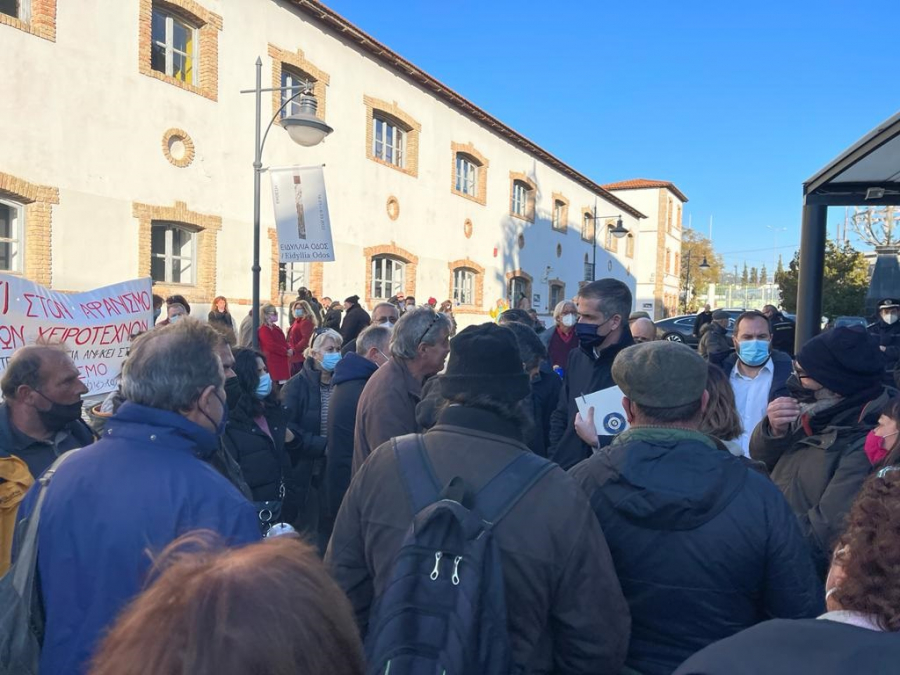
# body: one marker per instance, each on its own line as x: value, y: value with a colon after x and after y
x: 387, y: 277
x: 388, y: 141
x: 464, y: 286
x: 466, y: 179
x: 588, y: 225
x: 173, y: 253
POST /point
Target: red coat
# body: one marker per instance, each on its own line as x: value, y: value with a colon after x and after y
x: 275, y: 348
x: 298, y: 337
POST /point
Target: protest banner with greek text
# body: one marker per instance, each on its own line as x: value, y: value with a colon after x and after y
x: 95, y: 327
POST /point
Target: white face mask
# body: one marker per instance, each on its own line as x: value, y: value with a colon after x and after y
x: 388, y: 324
x: 569, y: 320
x: 889, y: 318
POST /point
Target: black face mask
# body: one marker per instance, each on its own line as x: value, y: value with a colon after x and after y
x: 233, y: 392
x: 587, y: 334
x: 798, y: 392
x: 59, y: 415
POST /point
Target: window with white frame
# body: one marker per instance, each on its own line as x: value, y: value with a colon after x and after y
x: 173, y: 253
x: 290, y: 277
x: 387, y: 277
x: 520, y: 199
x: 388, y: 141
x: 466, y: 175
x: 519, y: 293
x: 12, y: 226
x: 464, y: 286
x: 587, y: 227
x: 558, y: 208
x: 296, y: 82
x: 174, y: 46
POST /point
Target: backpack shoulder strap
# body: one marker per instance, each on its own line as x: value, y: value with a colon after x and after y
x: 416, y: 470
x: 27, y: 553
x: 504, y: 490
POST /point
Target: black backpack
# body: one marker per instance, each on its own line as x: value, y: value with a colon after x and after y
x: 443, y: 609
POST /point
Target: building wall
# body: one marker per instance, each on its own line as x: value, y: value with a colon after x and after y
x: 658, y: 285
x: 87, y: 123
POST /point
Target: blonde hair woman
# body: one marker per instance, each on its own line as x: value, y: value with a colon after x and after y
x: 303, y: 322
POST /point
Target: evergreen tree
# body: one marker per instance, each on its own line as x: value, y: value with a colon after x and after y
x: 844, y: 285
x: 754, y: 276
x: 745, y: 276
x: 779, y: 269
x: 763, y: 276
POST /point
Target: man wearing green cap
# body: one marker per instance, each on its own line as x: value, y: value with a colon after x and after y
x: 691, y: 528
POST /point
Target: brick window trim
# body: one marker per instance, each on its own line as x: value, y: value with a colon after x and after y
x: 208, y: 26
x: 528, y: 278
x: 42, y: 23
x: 530, y: 195
x: 394, y: 113
x: 38, y: 202
x: 564, y: 216
x: 204, y: 288
x: 393, y: 251
x: 613, y: 240
x: 587, y: 211
x: 469, y: 264
x: 298, y: 62
x: 559, y: 283
x: 482, y: 162
x: 629, y: 245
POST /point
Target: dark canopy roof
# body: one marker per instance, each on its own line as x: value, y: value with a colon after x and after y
x: 872, y: 162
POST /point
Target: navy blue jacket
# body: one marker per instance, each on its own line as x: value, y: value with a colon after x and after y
x: 585, y: 374
x: 111, y: 506
x: 703, y: 545
x: 783, y: 366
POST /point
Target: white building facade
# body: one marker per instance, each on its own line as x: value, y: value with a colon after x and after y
x: 127, y: 151
x: 658, y: 268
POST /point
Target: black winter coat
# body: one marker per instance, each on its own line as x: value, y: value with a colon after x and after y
x: 350, y: 377
x: 821, y: 466
x: 265, y: 462
x: 544, y: 397
x: 715, y: 346
x: 888, y: 336
x: 301, y: 400
x: 780, y: 647
x: 704, y: 546
x: 355, y: 321
x: 585, y: 374
x: 332, y: 319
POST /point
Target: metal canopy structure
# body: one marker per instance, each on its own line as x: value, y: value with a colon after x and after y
x: 867, y: 174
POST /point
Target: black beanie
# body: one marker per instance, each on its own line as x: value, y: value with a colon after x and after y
x: 846, y: 360
x: 485, y: 359
x: 353, y: 299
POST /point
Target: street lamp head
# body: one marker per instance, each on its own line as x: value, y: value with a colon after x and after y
x: 619, y: 230
x: 305, y: 128
x: 704, y: 265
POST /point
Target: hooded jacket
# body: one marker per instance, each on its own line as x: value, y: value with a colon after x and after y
x: 112, y: 506
x: 350, y: 377
x: 585, y: 374
x: 565, y: 610
x: 704, y: 546
x: 821, y: 465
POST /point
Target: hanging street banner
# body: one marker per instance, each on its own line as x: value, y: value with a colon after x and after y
x: 95, y: 327
x: 301, y: 214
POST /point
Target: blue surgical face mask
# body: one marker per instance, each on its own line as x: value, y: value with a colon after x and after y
x: 265, y: 386
x: 174, y: 319
x: 329, y: 361
x: 753, y: 352
x: 298, y: 313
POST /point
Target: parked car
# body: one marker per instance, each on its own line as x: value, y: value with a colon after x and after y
x: 681, y: 328
x: 850, y: 321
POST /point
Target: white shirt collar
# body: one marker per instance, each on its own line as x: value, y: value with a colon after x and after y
x: 768, y: 366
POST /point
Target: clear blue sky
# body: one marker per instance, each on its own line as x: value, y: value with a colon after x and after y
x: 736, y: 103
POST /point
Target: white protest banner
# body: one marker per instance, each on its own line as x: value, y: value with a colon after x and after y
x: 301, y: 214
x: 95, y: 327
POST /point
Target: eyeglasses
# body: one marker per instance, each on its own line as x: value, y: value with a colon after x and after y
x: 434, y: 320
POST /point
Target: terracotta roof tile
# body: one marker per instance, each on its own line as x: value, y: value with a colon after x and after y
x: 644, y: 183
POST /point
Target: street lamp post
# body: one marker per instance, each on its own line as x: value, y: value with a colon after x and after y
x: 687, y: 279
x: 618, y: 232
x: 305, y: 129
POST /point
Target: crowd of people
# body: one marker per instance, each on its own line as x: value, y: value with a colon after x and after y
x: 377, y: 492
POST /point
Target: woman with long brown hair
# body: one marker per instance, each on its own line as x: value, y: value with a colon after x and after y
x: 220, y: 318
x: 266, y: 608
